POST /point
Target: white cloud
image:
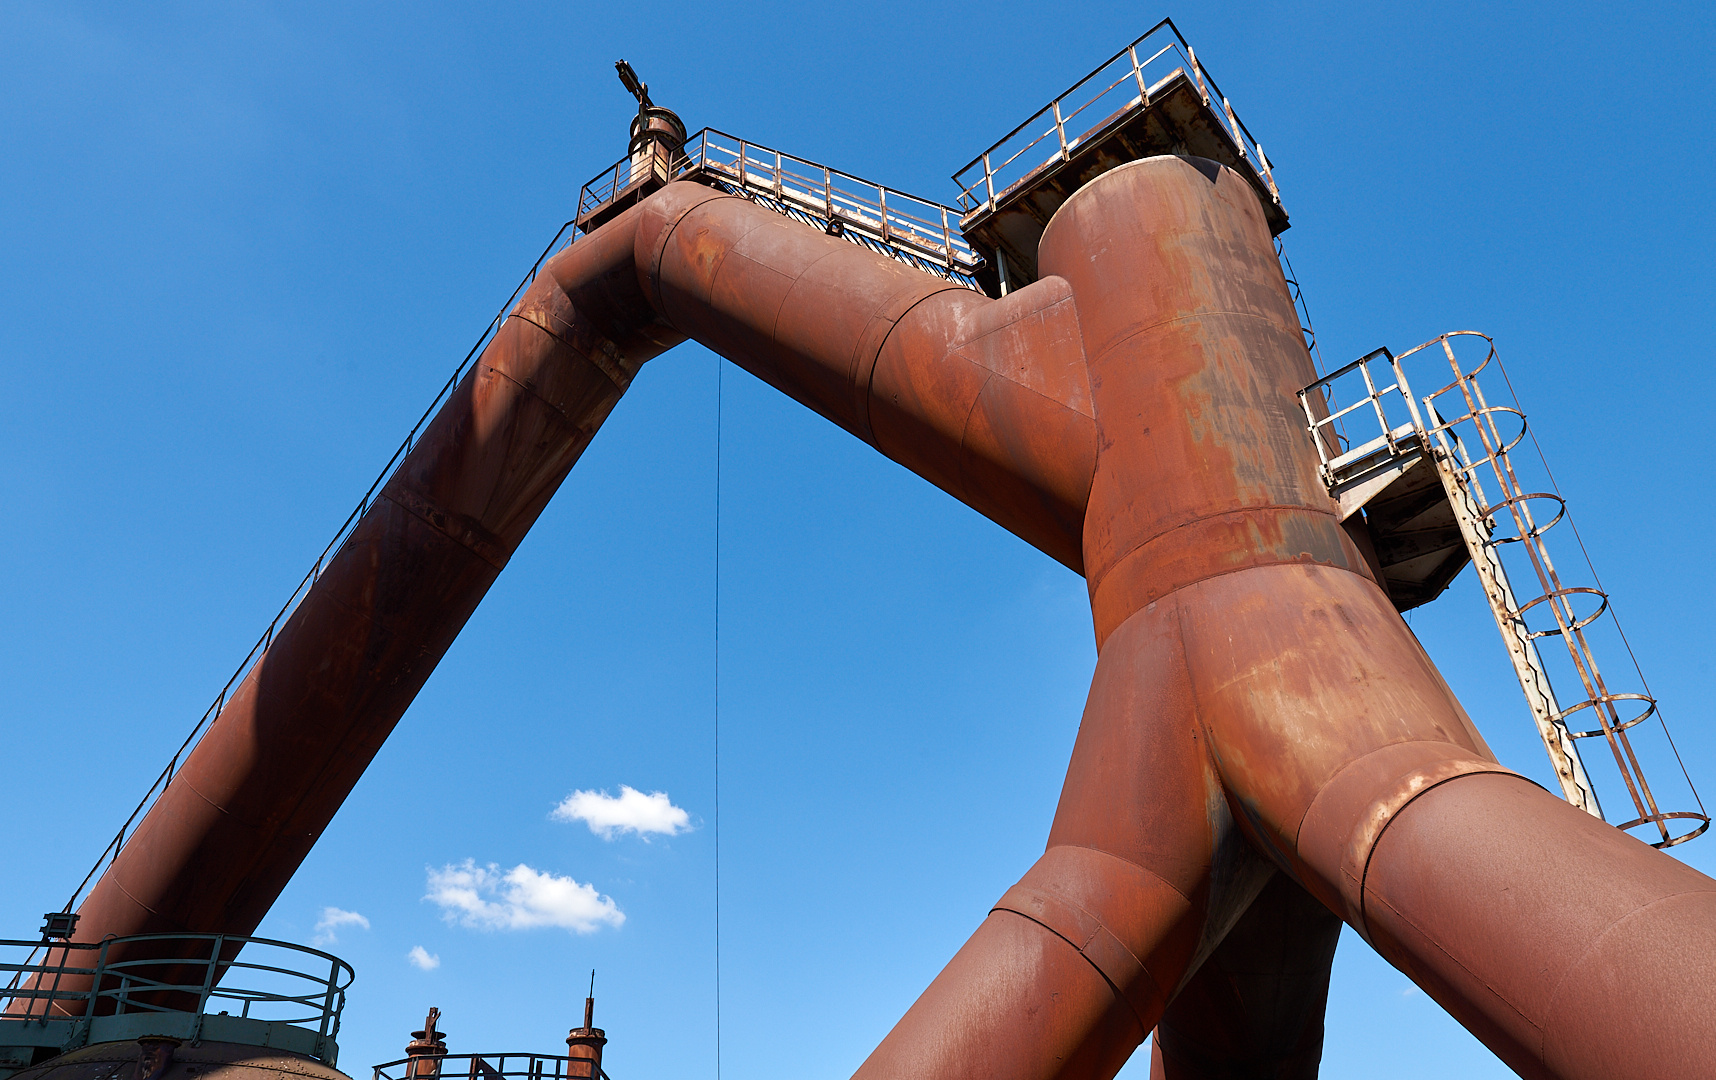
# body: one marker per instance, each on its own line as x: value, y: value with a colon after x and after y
x: 486, y: 898
x: 422, y: 958
x: 632, y: 811
x: 328, y: 926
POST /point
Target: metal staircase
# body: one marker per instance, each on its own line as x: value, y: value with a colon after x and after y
x: 1434, y: 484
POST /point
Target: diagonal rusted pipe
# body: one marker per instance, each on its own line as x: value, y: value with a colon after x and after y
x: 216, y: 848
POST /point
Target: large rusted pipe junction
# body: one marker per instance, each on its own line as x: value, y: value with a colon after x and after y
x: 1266, y: 751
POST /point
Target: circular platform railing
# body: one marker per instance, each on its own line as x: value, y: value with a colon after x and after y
x: 512, y: 1066
x: 214, y: 986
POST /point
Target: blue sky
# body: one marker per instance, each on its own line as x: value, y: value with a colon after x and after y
x: 241, y: 246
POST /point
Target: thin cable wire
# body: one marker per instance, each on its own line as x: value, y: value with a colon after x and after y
x: 719, y: 365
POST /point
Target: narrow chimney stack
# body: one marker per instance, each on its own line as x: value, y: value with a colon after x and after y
x: 426, y: 1049
x: 584, y: 1044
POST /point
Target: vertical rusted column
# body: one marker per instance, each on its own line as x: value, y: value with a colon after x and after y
x: 1342, y: 751
x: 1255, y: 1007
x: 1194, y: 357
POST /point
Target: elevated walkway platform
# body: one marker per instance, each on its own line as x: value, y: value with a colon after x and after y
x: 1150, y: 98
x: 63, y: 996
x: 918, y: 232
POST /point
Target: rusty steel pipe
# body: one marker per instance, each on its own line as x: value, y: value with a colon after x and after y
x: 1262, y: 727
x: 225, y: 836
x: 1255, y: 1006
x: 1257, y: 692
x: 986, y: 399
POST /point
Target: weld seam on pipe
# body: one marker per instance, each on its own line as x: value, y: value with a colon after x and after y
x: 664, y: 237
x: 865, y: 358
x: 1267, y: 508
x: 1125, y: 974
x: 615, y: 374
x: 1359, y: 823
x: 455, y: 527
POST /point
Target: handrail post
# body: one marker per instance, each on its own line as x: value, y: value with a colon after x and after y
x: 1233, y: 126
x: 828, y: 194
x: 778, y: 194
x: 882, y: 201
x: 1138, y: 74
x: 1406, y: 392
x: 1376, y: 403
x: 1198, y: 73
x: 95, y: 983
x: 328, y: 1001
x: 1268, y: 175
x: 1060, y: 128
x: 209, y: 976
x: 989, y: 180
x: 1316, y: 426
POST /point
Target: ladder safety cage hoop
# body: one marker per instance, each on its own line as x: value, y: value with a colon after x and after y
x: 1466, y: 464
x: 1559, y: 603
x: 1604, y: 699
x: 1536, y: 529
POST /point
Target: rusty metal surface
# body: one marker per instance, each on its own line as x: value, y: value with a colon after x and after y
x: 1258, y: 706
x: 584, y: 1044
x: 1254, y: 680
x: 1255, y: 1007
x: 985, y: 399
x: 427, y: 1048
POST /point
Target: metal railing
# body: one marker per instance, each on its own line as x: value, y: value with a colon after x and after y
x: 255, y: 978
x: 1131, y: 77
x: 1471, y: 440
x: 562, y: 238
x: 510, y: 1066
x: 1297, y: 292
x: 917, y: 231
